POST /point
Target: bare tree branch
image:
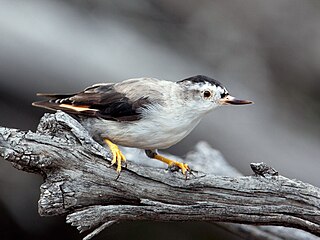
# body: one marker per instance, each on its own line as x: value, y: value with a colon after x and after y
x: 80, y: 182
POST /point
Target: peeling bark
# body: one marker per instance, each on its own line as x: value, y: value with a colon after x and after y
x: 79, y: 182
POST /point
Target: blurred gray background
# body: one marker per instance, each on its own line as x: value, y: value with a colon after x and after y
x: 265, y: 51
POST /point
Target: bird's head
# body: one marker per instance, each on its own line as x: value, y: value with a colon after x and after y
x: 205, y: 93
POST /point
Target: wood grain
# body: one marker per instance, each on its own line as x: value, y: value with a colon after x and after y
x: 79, y: 182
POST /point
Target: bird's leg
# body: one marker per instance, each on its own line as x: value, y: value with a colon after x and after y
x: 183, y: 166
x: 118, y: 157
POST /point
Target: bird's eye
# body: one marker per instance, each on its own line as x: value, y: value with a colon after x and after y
x: 206, y: 94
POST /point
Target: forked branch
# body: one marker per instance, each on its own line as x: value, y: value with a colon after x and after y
x: 79, y: 182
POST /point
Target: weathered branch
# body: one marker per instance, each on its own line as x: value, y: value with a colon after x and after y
x: 81, y: 183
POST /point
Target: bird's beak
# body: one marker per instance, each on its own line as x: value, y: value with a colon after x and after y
x: 232, y: 100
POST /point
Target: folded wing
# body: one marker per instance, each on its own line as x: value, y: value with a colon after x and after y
x: 100, y: 100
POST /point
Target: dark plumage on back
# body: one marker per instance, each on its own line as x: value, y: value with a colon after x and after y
x: 100, y: 100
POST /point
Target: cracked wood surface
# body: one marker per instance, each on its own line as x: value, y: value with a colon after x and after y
x: 80, y: 182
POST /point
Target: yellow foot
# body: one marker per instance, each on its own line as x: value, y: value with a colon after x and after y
x: 183, y: 166
x: 118, y: 157
x: 172, y: 163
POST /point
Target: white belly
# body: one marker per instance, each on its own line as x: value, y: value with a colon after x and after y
x: 151, y: 132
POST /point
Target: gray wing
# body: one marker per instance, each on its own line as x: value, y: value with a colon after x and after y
x: 100, y: 100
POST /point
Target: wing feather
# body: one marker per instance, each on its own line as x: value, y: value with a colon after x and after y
x: 100, y: 100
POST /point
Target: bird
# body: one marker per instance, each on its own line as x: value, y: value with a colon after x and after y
x: 144, y: 113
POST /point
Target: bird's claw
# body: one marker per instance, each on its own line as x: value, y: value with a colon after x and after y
x: 174, y: 165
x: 185, y: 169
x: 117, y: 156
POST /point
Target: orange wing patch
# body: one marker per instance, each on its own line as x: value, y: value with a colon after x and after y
x: 77, y: 108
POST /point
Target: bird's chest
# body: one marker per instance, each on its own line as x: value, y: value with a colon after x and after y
x: 166, y: 128
x: 173, y: 122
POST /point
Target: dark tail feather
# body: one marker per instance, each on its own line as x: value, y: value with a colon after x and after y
x: 55, y: 95
x: 47, y: 104
x: 54, y: 100
x: 62, y: 102
x: 76, y: 110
